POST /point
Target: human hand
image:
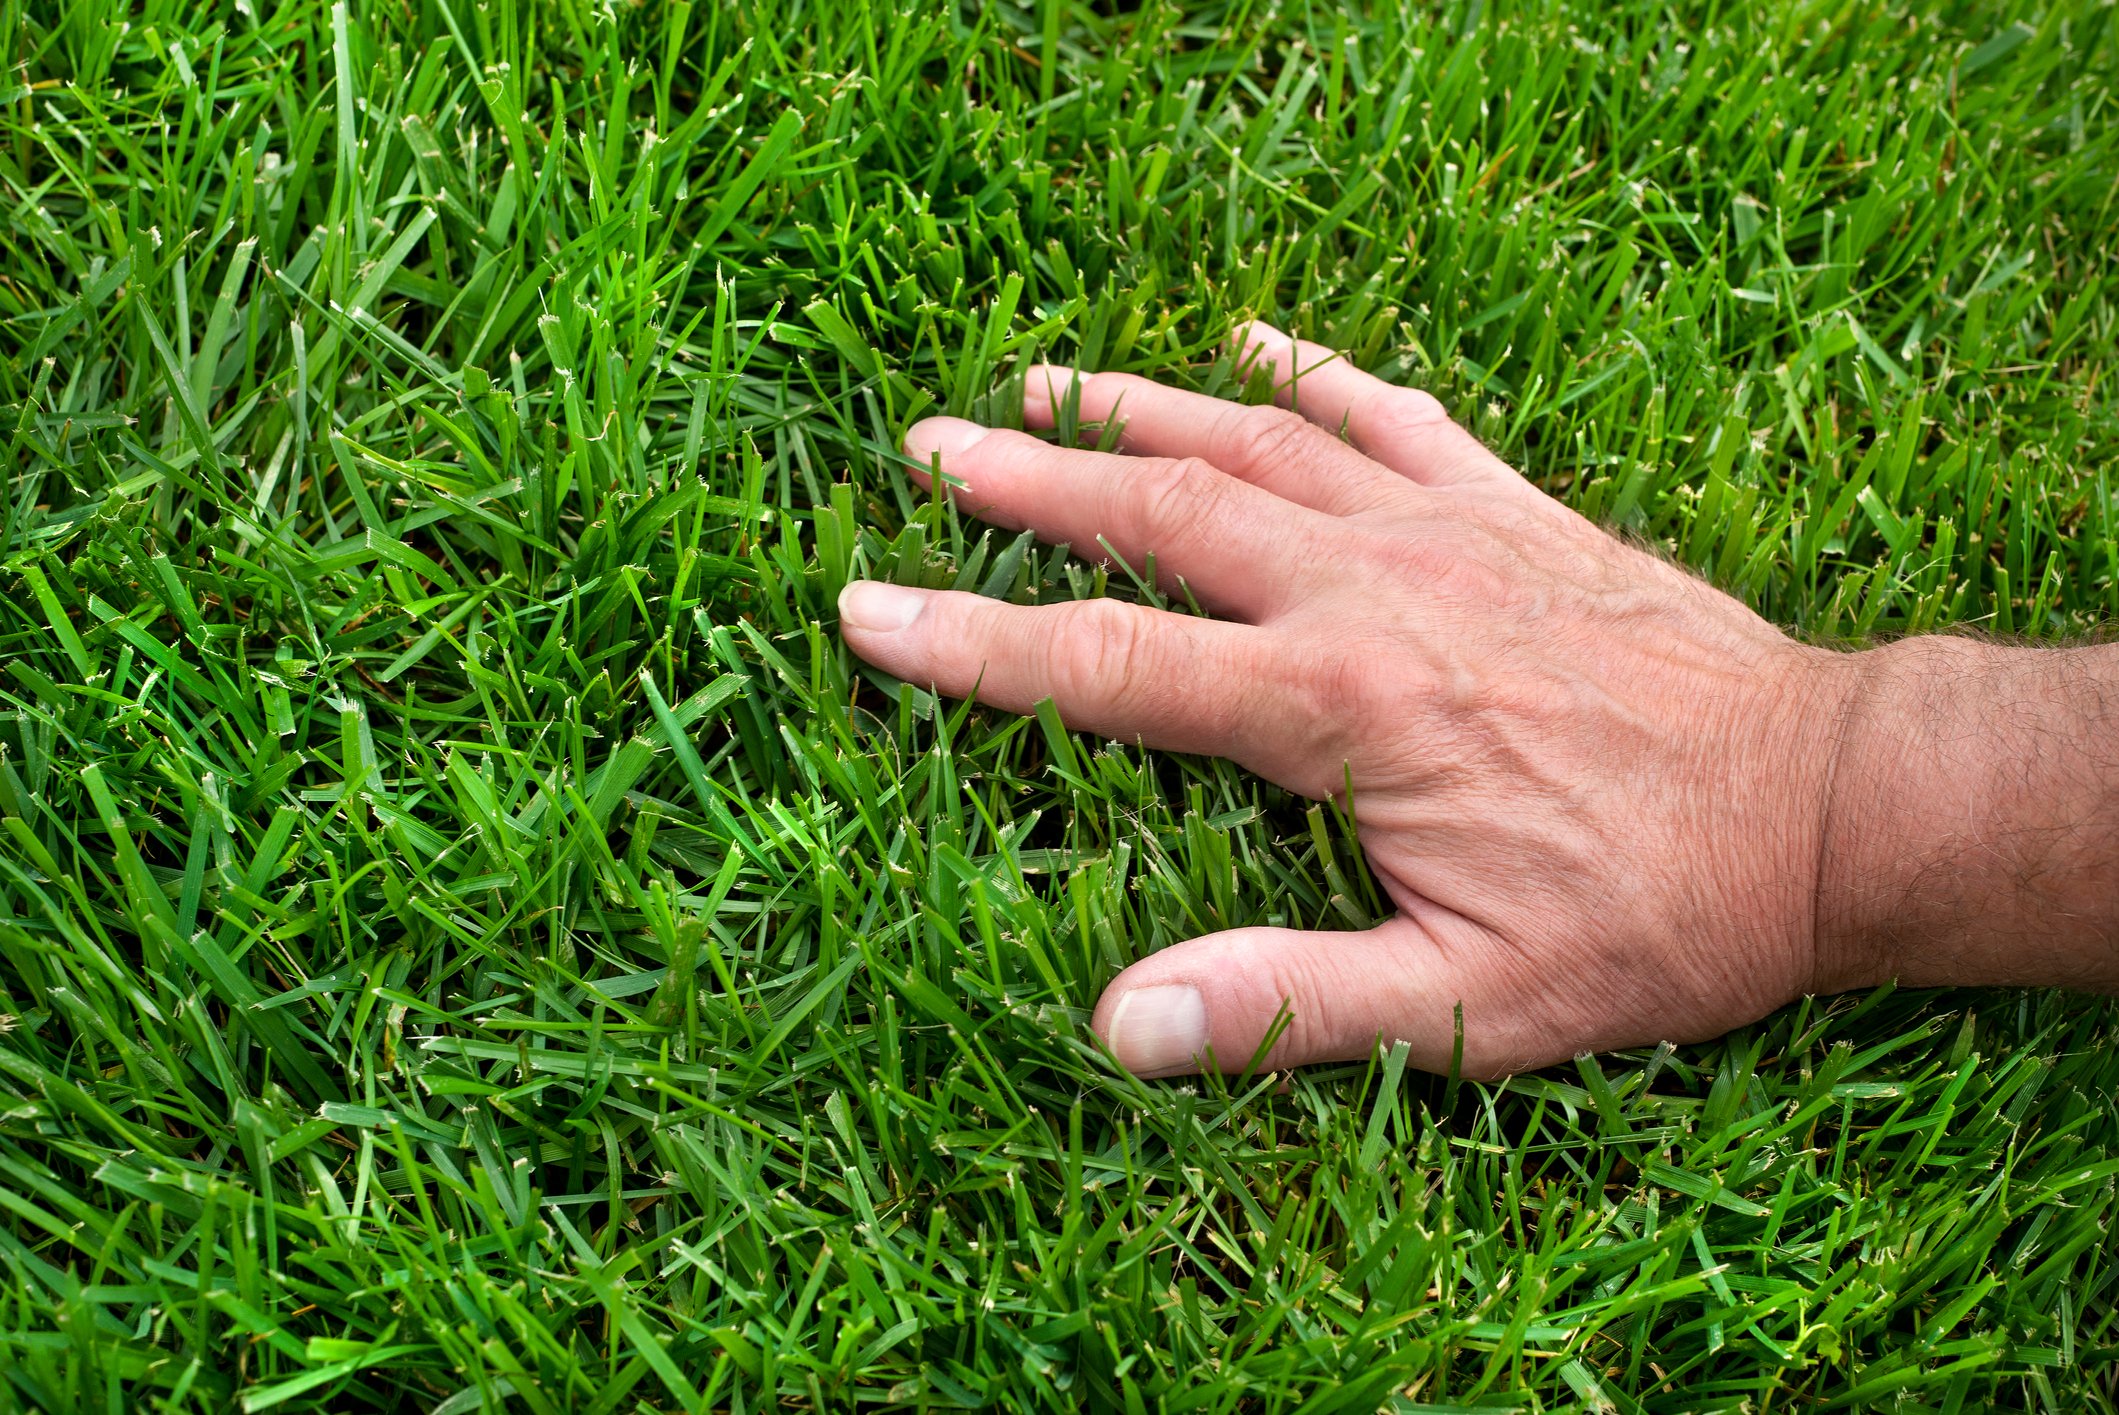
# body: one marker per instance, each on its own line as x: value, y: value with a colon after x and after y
x: 1597, y: 789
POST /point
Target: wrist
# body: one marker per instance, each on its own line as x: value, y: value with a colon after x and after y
x: 1971, y: 819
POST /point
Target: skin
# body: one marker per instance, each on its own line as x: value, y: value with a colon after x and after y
x: 1612, y: 805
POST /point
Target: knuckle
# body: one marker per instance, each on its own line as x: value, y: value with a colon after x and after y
x: 1453, y: 561
x: 1265, y: 435
x: 1345, y: 691
x: 1306, y: 995
x: 1175, y: 498
x: 1470, y: 580
x: 1106, y: 649
x: 1415, y: 422
x: 1418, y: 559
x: 1339, y: 689
x: 1428, y: 558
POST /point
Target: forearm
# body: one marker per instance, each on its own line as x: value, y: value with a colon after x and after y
x: 1972, y: 831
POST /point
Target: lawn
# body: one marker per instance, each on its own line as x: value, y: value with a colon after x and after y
x: 472, y: 939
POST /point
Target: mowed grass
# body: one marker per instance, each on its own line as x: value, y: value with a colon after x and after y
x: 472, y: 939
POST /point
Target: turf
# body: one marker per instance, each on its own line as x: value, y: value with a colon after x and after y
x: 471, y: 938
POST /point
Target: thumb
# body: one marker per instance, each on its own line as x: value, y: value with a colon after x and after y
x: 1210, y: 1002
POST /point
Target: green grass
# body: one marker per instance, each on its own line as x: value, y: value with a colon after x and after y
x: 471, y: 938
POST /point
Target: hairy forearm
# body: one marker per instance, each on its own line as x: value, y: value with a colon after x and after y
x: 1972, y: 835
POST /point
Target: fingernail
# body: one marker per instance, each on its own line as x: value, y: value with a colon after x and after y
x: 1159, y: 1029
x: 947, y: 436
x: 879, y: 608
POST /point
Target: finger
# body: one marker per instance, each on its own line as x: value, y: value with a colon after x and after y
x: 1241, y: 548
x: 1210, y: 1003
x: 1402, y: 428
x: 1119, y: 670
x: 1268, y: 447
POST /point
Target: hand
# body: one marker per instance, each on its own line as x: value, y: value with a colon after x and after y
x: 1599, y: 791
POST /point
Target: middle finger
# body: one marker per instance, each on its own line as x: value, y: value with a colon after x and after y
x: 1241, y: 549
x: 1267, y: 446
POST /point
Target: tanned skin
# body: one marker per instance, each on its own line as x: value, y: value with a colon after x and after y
x: 1612, y: 805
